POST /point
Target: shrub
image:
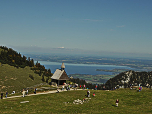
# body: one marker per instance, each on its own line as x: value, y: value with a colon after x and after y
x: 31, y: 76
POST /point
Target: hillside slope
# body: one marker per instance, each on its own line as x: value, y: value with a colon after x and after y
x: 15, y: 79
x: 129, y: 78
x: 18, y: 72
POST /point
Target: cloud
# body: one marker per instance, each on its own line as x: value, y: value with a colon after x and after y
x: 60, y: 47
x: 94, y: 20
x: 121, y: 26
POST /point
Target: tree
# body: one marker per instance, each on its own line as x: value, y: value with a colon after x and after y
x: 43, y: 78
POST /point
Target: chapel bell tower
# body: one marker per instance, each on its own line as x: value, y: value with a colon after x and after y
x: 62, y: 66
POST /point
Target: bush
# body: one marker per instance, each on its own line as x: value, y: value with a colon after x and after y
x: 31, y: 76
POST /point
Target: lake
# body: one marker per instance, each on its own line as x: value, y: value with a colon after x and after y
x: 82, y: 68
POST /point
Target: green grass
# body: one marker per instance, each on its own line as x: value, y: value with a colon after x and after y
x: 130, y: 101
x: 13, y: 79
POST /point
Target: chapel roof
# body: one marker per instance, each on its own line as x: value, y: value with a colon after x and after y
x: 60, y: 75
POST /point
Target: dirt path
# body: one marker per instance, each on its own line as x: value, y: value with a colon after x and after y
x: 47, y: 92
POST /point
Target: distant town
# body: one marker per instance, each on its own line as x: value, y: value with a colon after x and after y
x: 141, y: 64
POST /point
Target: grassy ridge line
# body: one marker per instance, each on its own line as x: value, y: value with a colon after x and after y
x: 130, y: 101
x: 13, y: 79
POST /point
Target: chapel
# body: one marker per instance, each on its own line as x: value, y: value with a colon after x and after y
x: 60, y: 76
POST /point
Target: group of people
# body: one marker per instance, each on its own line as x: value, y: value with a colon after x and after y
x: 5, y: 95
x: 83, y: 87
x: 25, y: 92
x: 88, y: 93
x: 68, y: 86
x: 75, y: 86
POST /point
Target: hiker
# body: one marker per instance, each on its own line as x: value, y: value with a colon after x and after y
x: 76, y: 86
x: 93, y: 94
x: 63, y: 88
x: 1, y: 95
x: 80, y: 86
x: 27, y: 92
x: 6, y: 94
x: 84, y: 87
x: 35, y: 90
x: 23, y: 93
x: 139, y: 89
x: 69, y: 86
x: 96, y: 87
x: 117, y: 101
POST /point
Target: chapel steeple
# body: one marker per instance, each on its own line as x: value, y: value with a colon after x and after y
x: 62, y: 66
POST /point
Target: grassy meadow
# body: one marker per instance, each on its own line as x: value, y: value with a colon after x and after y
x: 130, y: 101
x: 15, y: 79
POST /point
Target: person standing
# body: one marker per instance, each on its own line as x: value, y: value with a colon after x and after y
x: 84, y: 87
x: 1, y: 95
x: 27, y: 91
x: 80, y: 86
x: 76, y: 85
x: 35, y: 90
x: 23, y: 93
x: 96, y: 87
x: 117, y: 101
x: 69, y: 86
x: 63, y: 88
x: 6, y: 94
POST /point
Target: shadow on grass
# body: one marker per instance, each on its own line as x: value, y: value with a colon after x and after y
x: 114, y: 105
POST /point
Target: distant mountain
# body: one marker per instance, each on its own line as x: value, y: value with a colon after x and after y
x: 130, y: 78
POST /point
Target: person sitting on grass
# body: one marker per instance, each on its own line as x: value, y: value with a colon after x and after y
x: 88, y: 93
x: 117, y: 101
x: 139, y: 89
x: 93, y: 94
x: 84, y: 99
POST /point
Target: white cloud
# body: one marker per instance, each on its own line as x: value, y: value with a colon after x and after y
x: 61, y: 47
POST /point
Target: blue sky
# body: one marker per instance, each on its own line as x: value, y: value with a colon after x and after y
x: 117, y: 26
